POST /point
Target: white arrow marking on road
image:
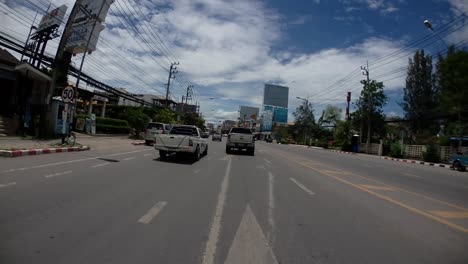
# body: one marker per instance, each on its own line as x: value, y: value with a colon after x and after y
x: 100, y: 165
x: 7, y: 184
x: 267, y: 161
x: 58, y: 174
x: 146, y: 155
x: 250, y: 245
x: 129, y: 158
x: 224, y: 158
x: 152, y: 213
x: 210, y: 250
x: 302, y: 186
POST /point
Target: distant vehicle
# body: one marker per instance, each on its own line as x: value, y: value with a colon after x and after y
x: 154, y: 128
x: 240, y: 138
x: 459, y: 161
x: 217, y: 137
x: 269, y: 139
x: 225, y: 135
x: 182, y: 139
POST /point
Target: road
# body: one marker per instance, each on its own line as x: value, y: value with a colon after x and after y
x: 287, y: 204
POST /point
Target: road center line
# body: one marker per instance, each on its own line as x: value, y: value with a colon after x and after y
x: 146, y: 155
x: 130, y: 158
x: 210, y: 250
x: 73, y: 161
x: 7, y: 184
x: 58, y: 174
x: 412, y: 175
x: 153, y: 212
x: 100, y: 165
x: 300, y: 185
x: 267, y: 161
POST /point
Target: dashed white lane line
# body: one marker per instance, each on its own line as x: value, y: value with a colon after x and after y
x: 146, y: 155
x: 412, y: 175
x: 196, y: 171
x: 130, y: 158
x: 58, y: 174
x: 100, y: 165
x: 7, y: 184
x: 271, y: 206
x: 73, y: 161
x: 300, y: 185
x: 267, y: 161
x: 210, y: 250
x: 153, y: 212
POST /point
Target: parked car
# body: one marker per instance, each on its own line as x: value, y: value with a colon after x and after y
x: 182, y: 139
x: 459, y: 161
x: 154, y: 128
x: 240, y: 138
x: 217, y: 137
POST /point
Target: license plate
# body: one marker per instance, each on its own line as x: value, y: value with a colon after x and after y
x: 241, y: 145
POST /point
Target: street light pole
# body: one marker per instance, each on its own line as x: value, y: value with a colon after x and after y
x: 428, y: 25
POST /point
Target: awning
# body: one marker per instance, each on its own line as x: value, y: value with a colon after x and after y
x: 32, y: 72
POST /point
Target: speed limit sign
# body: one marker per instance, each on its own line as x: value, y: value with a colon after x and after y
x: 67, y: 94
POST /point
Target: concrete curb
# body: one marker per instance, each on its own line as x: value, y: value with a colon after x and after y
x: 28, y: 152
x: 340, y: 151
x: 419, y: 162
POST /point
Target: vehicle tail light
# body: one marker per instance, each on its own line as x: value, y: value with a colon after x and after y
x: 190, y: 143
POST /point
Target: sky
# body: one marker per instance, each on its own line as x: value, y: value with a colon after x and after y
x: 228, y: 50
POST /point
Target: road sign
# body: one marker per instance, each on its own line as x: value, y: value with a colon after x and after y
x: 67, y: 94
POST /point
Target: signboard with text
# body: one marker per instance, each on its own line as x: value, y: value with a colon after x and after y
x: 53, y: 18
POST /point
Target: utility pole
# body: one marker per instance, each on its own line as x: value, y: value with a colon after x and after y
x: 369, y: 107
x: 172, y: 72
x: 348, y: 100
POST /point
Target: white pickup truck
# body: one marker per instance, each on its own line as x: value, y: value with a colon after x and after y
x: 240, y: 138
x: 182, y: 139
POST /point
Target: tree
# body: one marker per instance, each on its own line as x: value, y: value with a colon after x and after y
x: 193, y: 119
x: 165, y: 116
x: 454, y: 93
x: 136, y: 118
x: 330, y: 116
x: 305, y: 119
x: 420, y: 94
x: 369, y: 107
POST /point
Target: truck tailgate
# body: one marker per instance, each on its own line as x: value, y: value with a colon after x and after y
x: 172, y: 141
x: 241, y: 138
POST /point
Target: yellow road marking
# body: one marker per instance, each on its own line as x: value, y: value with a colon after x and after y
x: 391, y: 186
x: 451, y: 214
x: 383, y: 197
x: 376, y: 187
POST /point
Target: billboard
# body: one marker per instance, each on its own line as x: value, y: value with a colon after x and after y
x: 248, y: 113
x: 53, y: 18
x: 276, y: 95
x: 82, y: 27
x: 267, y: 121
x: 280, y: 114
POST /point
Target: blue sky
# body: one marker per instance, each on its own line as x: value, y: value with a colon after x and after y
x: 229, y: 49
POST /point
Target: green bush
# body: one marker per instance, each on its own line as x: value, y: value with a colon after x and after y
x: 346, y: 146
x: 395, y: 150
x: 444, y: 141
x: 111, y: 122
x: 323, y: 143
x: 110, y: 129
x: 431, y: 154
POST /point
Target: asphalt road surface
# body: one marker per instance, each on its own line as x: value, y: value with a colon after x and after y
x: 287, y: 204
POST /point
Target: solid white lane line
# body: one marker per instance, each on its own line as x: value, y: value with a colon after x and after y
x: 73, y: 161
x: 100, y: 165
x: 271, y: 204
x: 196, y: 171
x: 152, y: 213
x: 267, y: 161
x: 146, y: 155
x: 7, y: 184
x: 58, y: 174
x: 412, y: 175
x: 300, y: 185
x: 210, y: 250
x: 130, y: 158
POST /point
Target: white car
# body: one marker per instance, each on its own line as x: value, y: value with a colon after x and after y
x: 154, y: 128
x: 241, y: 138
x: 217, y: 137
x: 182, y: 139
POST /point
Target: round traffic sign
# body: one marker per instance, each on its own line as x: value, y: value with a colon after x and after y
x: 67, y: 94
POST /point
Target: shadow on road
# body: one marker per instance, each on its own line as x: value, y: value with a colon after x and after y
x: 177, y: 159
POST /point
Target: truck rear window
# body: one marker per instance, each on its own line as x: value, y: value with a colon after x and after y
x: 158, y: 126
x: 241, y: 130
x: 186, y: 131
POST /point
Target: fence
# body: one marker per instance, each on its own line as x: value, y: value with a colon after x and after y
x: 374, y: 148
